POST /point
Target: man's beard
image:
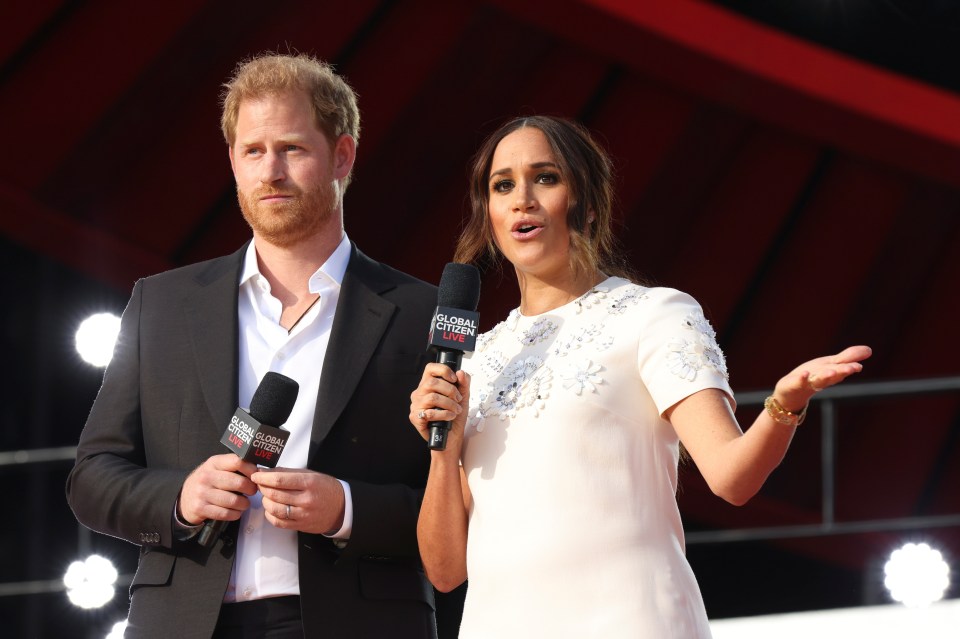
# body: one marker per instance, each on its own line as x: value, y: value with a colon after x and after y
x: 288, y: 222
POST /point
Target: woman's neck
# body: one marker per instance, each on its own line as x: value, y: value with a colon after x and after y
x: 539, y: 295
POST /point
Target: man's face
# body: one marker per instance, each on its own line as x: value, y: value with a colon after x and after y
x: 286, y: 169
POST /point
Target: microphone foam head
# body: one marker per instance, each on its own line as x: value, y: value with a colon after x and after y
x: 274, y: 398
x: 459, y: 286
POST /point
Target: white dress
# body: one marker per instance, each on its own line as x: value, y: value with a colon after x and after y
x: 574, y: 530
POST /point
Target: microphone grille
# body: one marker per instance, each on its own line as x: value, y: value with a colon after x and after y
x: 459, y: 286
x: 274, y: 398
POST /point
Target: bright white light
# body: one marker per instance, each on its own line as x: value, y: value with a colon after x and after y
x: 96, y: 337
x: 90, y: 583
x: 117, y: 631
x: 916, y: 575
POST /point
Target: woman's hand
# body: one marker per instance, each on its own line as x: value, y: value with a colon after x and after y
x: 795, y: 389
x: 442, y: 396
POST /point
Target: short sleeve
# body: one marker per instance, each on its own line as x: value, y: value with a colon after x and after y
x: 678, y: 354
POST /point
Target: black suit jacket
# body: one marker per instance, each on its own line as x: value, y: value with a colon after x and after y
x: 166, y: 398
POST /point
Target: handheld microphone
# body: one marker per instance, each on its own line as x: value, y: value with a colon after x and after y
x: 256, y: 436
x: 454, y: 328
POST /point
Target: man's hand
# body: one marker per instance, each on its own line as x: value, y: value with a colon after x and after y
x: 303, y: 500
x: 217, y: 489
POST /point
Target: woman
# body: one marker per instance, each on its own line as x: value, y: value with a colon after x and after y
x: 556, y: 493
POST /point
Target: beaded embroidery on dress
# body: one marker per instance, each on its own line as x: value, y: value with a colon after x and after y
x: 525, y: 384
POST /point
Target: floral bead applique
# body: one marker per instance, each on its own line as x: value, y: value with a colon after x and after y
x: 696, y: 321
x: 517, y: 383
x: 605, y: 343
x: 575, y: 339
x: 688, y: 356
x: 525, y: 383
x: 581, y: 376
x: 491, y: 365
x: 522, y: 369
x: 591, y: 298
x: 541, y: 330
x: 631, y: 296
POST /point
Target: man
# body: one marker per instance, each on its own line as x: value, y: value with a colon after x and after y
x: 326, y: 545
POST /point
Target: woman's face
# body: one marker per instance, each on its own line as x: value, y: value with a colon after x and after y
x: 527, y: 204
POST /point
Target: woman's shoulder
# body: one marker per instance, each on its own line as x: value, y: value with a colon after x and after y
x: 618, y: 295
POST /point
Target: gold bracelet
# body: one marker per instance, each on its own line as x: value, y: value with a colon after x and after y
x: 781, y: 415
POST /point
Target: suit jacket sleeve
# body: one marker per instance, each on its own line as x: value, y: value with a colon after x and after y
x: 110, y: 489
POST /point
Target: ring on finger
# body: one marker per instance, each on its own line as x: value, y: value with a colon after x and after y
x: 287, y: 513
x: 422, y: 414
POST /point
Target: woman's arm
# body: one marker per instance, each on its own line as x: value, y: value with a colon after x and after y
x: 442, y: 527
x: 736, y: 464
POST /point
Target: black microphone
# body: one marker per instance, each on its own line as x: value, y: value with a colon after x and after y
x: 256, y: 436
x: 454, y: 328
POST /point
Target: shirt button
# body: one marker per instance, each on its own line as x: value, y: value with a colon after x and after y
x: 249, y: 529
x: 281, y: 356
x: 247, y: 592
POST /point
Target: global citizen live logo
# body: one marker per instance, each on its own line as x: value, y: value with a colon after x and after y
x: 454, y: 328
x: 253, y: 441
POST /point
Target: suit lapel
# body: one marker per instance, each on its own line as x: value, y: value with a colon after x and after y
x: 361, y: 318
x: 212, y: 319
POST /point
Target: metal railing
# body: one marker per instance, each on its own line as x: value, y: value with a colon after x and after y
x: 825, y: 401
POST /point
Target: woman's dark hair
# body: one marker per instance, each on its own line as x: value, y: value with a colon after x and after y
x: 586, y: 169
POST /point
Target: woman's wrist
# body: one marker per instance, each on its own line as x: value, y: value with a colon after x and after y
x: 783, y: 415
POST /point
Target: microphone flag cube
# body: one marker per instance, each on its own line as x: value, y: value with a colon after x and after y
x: 253, y: 441
x: 454, y: 329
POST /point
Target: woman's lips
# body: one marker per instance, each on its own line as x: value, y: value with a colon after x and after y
x: 529, y: 235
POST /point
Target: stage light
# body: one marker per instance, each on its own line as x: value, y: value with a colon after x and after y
x: 90, y: 582
x: 117, y: 631
x: 96, y: 337
x: 916, y: 575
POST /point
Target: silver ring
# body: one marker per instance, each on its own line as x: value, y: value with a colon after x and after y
x: 422, y: 414
x: 287, y: 515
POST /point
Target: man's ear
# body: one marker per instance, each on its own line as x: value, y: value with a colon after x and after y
x: 344, y: 155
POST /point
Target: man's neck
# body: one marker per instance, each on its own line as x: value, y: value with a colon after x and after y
x: 288, y: 269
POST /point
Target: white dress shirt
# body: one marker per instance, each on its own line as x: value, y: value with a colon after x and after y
x: 266, y: 561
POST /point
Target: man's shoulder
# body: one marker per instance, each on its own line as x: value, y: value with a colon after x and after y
x: 388, y: 276
x: 407, y: 280
x: 198, y: 273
